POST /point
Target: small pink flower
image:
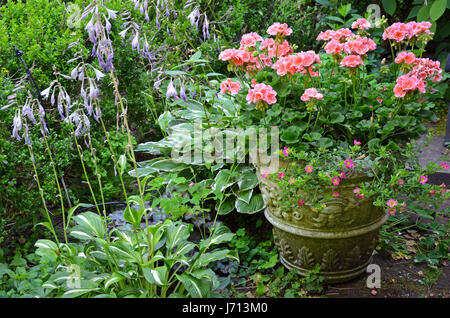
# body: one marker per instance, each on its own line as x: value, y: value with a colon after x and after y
x: 444, y: 165
x: 401, y: 182
x: 191, y: 184
x: 379, y: 99
x: 335, y: 181
x: 356, y: 190
x: 432, y: 193
x: 286, y: 152
x: 335, y: 194
x: 391, y: 211
x: 342, y: 175
x: 356, y: 142
x: 423, y: 179
x: 291, y: 180
x: 265, y: 174
x: 301, y: 202
x: 392, y: 203
x: 349, y: 163
x: 309, y: 168
x: 361, y: 196
x: 314, y: 209
x: 279, y: 29
x: 281, y: 175
x: 361, y: 24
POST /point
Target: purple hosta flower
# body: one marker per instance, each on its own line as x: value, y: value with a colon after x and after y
x: 167, y: 30
x: 26, y: 137
x: 17, y: 125
x: 123, y: 33
x: 98, y: 74
x: 111, y: 13
x: 206, y: 29
x: 157, y: 22
x: 135, y: 42
x: 193, y: 17
x: 147, y: 18
x: 74, y: 73
x: 188, y: 4
x: 97, y: 114
x: 183, y: 93
x: 28, y: 111
x: 41, y: 113
x: 167, y: 12
x: 171, y: 91
x: 192, y: 93
x: 107, y: 25
x: 52, y: 98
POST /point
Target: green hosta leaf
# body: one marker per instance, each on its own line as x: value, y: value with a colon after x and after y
x: 176, y: 234
x: 245, y: 195
x: 227, y: 205
x: 223, y: 180
x: 90, y: 223
x: 174, y: 73
x: 248, y: 181
x: 389, y: 6
x: 437, y: 9
x: 157, y: 276
x: 206, y: 258
x: 256, y: 204
x: 221, y: 234
x: 133, y: 216
x: 197, y: 288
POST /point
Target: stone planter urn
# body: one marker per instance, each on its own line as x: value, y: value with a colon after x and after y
x: 340, y: 238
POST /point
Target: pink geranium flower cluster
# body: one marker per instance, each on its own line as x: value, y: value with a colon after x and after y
x: 340, y: 35
x: 407, y: 57
x: 401, y: 31
x: 311, y: 93
x: 250, y: 39
x: 299, y: 63
x: 425, y: 68
x: 359, y: 45
x: 408, y: 83
x: 261, y: 93
x: 228, y: 86
x: 361, y: 24
x: 351, y: 61
x: 279, y: 29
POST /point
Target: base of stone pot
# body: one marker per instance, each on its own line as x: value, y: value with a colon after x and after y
x: 342, y: 255
x: 330, y: 277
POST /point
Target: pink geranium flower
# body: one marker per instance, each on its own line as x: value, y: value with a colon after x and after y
x: 228, y: 86
x: 250, y: 39
x: 407, y: 57
x: 261, y: 92
x: 311, y: 93
x: 279, y: 29
x: 351, y: 61
x: 361, y: 24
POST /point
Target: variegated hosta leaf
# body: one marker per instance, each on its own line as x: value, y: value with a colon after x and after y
x: 206, y: 258
x: 90, y: 224
x: 221, y: 234
x: 197, y: 288
x: 157, y: 276
x: 177, y: 233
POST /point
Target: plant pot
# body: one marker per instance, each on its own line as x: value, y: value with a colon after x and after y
x: 340, y: 238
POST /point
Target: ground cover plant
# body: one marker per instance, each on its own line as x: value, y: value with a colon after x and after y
x: 101, y: 196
